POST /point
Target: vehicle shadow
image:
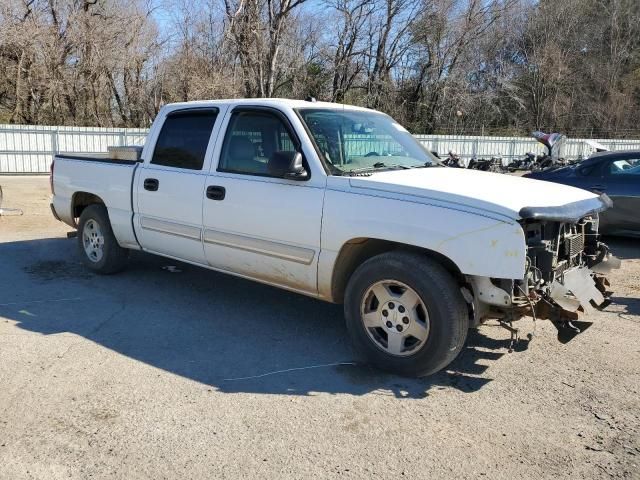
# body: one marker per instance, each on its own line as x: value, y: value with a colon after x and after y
x: 231, y: 334
x: 625, y: 248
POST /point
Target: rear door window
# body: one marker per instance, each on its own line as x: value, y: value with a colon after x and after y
x: 184, y: 138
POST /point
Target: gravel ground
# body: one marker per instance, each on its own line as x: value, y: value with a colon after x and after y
x: 140, y: 375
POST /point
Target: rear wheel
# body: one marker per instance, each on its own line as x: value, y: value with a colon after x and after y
x: 98, y: 246
x: 405, y: 313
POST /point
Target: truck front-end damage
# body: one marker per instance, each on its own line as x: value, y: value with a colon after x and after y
x: 565, y: 269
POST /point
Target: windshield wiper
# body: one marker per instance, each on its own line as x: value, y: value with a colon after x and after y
x: 427, y: 165
x: 376, y: 166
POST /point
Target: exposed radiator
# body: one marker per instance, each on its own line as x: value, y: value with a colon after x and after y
x: 573, y: 245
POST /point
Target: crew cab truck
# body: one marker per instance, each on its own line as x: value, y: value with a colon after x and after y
x: 341, y: 203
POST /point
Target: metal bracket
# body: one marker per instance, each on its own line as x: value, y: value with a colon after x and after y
x: 515, y: 333
x: 488, y: 293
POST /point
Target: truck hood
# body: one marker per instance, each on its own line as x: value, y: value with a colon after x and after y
x: 500, y: 194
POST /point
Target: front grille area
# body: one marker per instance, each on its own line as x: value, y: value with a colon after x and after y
x: 554, y: 247
x: 573, y: 244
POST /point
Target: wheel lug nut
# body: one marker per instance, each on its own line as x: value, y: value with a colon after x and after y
x: 391, y: 305
x: 399, y: 328
x: 389, y: 324
x: 401, y: 309
x: 405, y: 320
x: 384, y: 313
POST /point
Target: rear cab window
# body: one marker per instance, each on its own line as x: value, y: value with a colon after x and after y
x: 183, y: 139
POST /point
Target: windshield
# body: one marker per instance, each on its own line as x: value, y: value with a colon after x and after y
x: 352, y: 141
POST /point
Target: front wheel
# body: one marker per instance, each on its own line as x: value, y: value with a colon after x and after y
x: 405, y: 313
x: 97, y: 244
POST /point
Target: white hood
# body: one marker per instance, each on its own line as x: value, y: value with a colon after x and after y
x: 494, y: 192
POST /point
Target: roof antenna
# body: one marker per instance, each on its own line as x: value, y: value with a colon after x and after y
x: 309, y: 98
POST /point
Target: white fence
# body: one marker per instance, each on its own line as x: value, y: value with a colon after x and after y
x: 510, y: 148
x: 29, y: 149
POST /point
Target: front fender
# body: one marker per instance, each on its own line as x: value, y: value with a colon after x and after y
x: 477, y: 244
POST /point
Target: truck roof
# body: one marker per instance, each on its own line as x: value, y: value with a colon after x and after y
x: 273, y: 102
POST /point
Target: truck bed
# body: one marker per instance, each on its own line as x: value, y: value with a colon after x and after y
x: 109, y: 179
x: 100, y: 158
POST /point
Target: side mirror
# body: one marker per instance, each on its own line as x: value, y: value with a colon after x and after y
x: 296, y: 170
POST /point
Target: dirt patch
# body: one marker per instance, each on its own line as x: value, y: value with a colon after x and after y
x: 48, y: 270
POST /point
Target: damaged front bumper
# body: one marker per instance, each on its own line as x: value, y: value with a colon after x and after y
x: 579, y: 291
x: 565, y: 274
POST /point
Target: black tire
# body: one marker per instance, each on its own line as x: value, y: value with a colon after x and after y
x: 447, y: 312
x: 114, y: 257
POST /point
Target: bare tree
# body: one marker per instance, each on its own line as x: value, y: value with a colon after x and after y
x: 257, y: 27
x: 348, y: 52
x: 435, y: 65
x: 389, y: 42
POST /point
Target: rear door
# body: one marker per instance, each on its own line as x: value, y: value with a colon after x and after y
x: 170, y: 184
x: 256, y: 223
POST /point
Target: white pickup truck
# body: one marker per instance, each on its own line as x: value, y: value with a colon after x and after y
x: 342, y: 204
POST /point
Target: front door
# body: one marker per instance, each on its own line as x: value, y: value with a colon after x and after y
x: 256, y: 223
x: 170, y: 185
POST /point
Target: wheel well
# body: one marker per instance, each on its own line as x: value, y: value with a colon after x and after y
x: 358, y: 250
x: 82, y: 200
